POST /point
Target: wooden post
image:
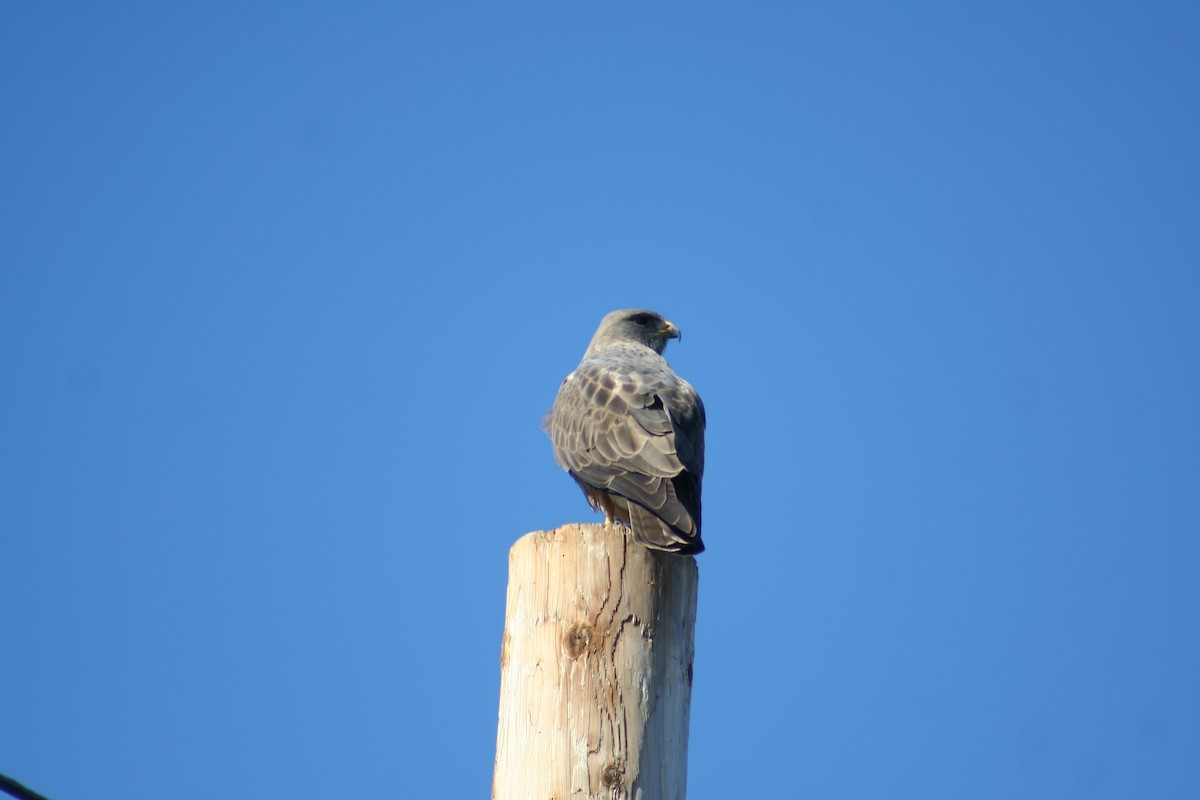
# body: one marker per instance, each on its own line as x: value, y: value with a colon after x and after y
x: 595, y: 668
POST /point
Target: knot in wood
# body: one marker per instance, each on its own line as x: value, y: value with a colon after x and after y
x: 612, y: 775
x: 577, y: 640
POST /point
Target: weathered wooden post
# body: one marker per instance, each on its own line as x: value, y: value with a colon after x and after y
x: 595, y: 668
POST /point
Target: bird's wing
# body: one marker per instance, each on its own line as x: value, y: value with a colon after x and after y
x: 637, y: 432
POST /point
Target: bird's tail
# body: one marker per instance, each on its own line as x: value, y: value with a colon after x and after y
x: 652, y: 532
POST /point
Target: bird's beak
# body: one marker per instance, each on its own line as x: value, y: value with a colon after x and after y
x: 670, y: 331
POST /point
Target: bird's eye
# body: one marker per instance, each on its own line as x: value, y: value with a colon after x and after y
x: 642, y: 319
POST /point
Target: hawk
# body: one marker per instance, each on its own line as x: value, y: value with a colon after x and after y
x: 631, y: 432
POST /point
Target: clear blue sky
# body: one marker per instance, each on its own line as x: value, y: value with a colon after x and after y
x: 286, y: 289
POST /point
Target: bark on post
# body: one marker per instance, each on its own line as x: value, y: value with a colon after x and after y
x: 595, y: 668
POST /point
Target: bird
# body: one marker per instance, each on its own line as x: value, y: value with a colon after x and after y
x: 631, y: 432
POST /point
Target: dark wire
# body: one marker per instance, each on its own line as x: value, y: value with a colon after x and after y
x: 18, y: 791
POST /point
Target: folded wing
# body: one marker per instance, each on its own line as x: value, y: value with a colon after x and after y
x: 638, y: 436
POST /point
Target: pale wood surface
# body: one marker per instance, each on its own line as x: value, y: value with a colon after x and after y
x: 595, y: 668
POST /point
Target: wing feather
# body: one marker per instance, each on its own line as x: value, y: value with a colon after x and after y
x: 637, y: 431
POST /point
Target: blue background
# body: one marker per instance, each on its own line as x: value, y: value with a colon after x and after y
x: 287, y: 288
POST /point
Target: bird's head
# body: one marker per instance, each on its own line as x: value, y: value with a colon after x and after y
x: 635, y: 325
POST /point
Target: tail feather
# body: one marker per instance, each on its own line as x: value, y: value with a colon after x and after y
x: 652, y: 532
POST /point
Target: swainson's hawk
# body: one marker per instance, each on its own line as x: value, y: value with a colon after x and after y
x: 631, y: 432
